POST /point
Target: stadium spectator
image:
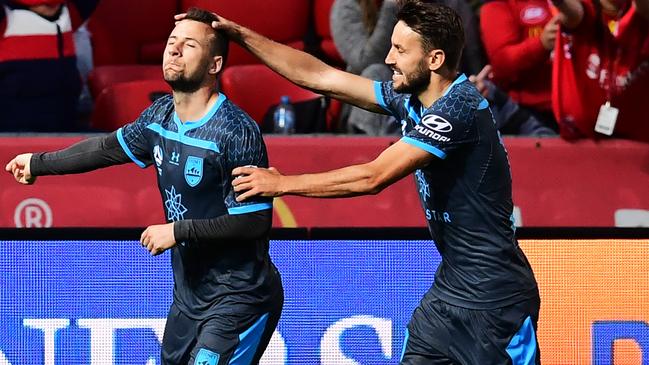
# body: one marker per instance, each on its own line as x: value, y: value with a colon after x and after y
x: 361, y: 31
x: 518, y: 37
x: 509, y: 116
x: 40, y: 83
x: 602, y: 68
x: 227, y: 295
x: 484, y: 303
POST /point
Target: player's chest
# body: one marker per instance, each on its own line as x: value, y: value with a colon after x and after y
x: 187, y: 164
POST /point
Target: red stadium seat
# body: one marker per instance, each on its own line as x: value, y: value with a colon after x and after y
x: 123, y: 102
x: 105, y: 76
x: 321, y: 11
x: 284, y: 21
x: 256, y: 88
x: 131, y: 32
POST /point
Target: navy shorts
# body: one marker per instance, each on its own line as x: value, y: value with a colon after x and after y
x: 234, y: 338
x: 440, y: 333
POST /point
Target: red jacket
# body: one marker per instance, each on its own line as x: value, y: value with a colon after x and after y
x: 511, y: 32
x: 596, y: 57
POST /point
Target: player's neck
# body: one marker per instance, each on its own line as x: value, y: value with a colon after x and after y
x: 193, y: 106
x: 439, y: 82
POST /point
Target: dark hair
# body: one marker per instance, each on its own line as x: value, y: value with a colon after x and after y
x: 219, y: 44
x: 438, y: 25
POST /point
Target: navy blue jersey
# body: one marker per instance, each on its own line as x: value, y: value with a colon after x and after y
x: 466, y: 195
x: 194, y: 161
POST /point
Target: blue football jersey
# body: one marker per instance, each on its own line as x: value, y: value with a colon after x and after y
x: 466, y: 196
x: 193, y: 162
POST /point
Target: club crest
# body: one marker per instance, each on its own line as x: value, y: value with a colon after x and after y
x: 193, y: 170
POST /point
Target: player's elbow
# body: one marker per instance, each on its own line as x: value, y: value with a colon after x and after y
x: 374, y: 185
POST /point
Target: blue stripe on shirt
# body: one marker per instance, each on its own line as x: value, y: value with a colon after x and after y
x: 250, y: 208
x: 426, y: 147
x: 122, y: 142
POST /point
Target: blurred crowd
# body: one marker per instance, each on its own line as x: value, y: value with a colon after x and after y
x: 574, y: 68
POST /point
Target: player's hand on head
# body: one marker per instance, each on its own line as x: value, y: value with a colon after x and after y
x: 256, y: 181
x: 225, y: 25
x: 158, y: 238
x: 19, y: 167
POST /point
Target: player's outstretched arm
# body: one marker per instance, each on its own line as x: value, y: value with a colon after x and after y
x: 301, y: 68
x: 87, y: 155
x: 397, y: 161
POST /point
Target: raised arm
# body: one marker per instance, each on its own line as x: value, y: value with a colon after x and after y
x: 394, y: 163
x: 302, y: 68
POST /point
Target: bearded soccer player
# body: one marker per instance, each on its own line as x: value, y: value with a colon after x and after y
x: 484, y: 304
x: 228, y: 295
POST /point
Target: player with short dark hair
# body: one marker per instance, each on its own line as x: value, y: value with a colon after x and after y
x: 484, y: 304
x: 228, y: 295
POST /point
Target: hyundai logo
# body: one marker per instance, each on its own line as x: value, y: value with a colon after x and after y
x: 437, y: 123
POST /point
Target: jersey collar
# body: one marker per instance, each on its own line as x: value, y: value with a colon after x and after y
x: 189, y: 125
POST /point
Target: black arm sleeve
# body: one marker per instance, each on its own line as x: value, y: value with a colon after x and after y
x: 87, y: 155
x: 226, y: 227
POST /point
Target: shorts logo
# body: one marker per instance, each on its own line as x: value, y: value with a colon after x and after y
x: 206, y: 357
x: 193, y: 170
x: 157, y: 155
x: 437, y: 124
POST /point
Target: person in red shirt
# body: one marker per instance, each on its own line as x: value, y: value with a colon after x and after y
x: 519, y: 36
x: 602, y: 62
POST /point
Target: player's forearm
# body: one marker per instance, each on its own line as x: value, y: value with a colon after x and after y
x: 87, y: 155
x: 227, y: 227
x: 297, y: 66
x: 346, y: 182
x: 572, y: 11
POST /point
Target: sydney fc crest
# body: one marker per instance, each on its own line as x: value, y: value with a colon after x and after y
x: 193, y: 170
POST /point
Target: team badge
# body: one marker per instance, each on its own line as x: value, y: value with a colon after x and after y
x: 206, y: 357
x: 193, y: 170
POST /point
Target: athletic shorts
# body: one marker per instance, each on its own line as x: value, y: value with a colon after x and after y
x: 440, y: 333
x: 235, y: 338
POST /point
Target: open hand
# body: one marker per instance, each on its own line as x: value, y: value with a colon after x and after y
x: 19, y: 167
x: 256, y: 181
x: 158, y: 238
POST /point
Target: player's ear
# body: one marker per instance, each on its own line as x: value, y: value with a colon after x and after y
x: 216, y: 65
x: 436, y: 58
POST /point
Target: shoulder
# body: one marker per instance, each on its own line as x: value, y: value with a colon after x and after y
x: 236, y: 120
x: 460, y: 103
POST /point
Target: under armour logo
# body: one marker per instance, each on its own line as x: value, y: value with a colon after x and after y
x: 175, y: 157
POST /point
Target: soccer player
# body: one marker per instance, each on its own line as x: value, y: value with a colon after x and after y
x: 484, y: 304
x: 228, y: 294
